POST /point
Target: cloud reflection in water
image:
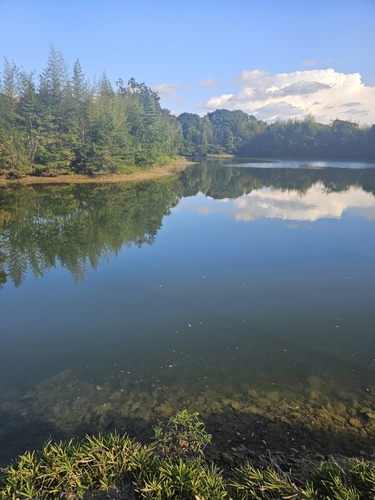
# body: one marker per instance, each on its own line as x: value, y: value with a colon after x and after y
x: 315, y: 204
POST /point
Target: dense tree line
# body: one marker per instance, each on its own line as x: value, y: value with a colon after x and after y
x: 60, y: 123
x: 221, y: 131
x: 235, y: 132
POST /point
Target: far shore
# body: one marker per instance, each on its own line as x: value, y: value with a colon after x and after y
x: 155, y: 172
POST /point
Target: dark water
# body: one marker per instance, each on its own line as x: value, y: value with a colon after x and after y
x: 246, y: 288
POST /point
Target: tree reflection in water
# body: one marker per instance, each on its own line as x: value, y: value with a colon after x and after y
x: 70, y: 226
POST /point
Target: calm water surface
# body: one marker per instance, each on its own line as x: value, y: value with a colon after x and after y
x: 246, y: 287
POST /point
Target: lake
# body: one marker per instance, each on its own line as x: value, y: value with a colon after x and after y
x: 243, y: 290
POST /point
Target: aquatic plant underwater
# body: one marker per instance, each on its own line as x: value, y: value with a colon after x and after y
x: 172, y: 467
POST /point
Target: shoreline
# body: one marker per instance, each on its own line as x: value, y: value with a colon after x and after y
x: 242, y: 428
x: 296, y: 457
x: 153, y: 173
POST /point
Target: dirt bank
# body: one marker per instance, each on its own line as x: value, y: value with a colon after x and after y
x: 156, y: 172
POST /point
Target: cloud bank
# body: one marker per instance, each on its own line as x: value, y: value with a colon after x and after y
x: 327, y: 94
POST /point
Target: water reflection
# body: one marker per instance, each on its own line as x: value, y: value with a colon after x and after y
x: 249, y: 323
x: 44, y: 227
x: 69, y: 226
x: 219, y: 181
x: 314, y: 204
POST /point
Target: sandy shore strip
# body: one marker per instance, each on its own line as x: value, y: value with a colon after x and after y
x: 156, y: 172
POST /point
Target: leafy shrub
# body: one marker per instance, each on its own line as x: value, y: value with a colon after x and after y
x: 183, y: 436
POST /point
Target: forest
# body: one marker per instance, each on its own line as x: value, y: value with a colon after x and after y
x: 60, y: 123
x: 235, y: 132
x: 65, y: 125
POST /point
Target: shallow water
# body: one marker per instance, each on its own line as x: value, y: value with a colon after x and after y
x: 246, y: 289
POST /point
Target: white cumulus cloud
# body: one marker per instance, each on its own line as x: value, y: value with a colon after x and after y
x: 327, y: 94
x: 218, y: 102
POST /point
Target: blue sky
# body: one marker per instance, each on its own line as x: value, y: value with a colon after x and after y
x: 274, y: 59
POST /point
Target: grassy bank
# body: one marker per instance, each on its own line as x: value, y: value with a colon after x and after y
x: 114, y: 466
x: 135, y: 174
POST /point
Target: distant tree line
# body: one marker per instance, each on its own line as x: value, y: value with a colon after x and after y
x: 63, y: 124
x: 59, y: 123
x: 236, y: 132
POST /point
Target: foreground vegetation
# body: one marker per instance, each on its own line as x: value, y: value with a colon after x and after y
x: 173, y: 466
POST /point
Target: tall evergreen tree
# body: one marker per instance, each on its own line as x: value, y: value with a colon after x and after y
x: 54, y: 150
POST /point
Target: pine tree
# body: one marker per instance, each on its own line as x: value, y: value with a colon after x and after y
x: 54, y: 153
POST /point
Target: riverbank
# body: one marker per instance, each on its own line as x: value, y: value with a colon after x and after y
x: 296, y: 431
x: 179, y: 464
x: 153, y: 173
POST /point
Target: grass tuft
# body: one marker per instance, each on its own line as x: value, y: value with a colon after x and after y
x: 173, y: 467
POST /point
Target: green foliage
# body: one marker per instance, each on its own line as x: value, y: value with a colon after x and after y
x: 182, y: 481
x: 65, y: 125
x: 182, y: 437
x: 72, y: 468
x: 235, y: 132
x: 309, y: 139
x: 349, y: 479
x: 221, y: 131
x: 68, y: 470
x: 266, y: 484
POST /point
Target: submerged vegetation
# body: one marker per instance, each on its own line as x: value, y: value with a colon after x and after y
x: 173, y: 467
x: 62, y: 124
